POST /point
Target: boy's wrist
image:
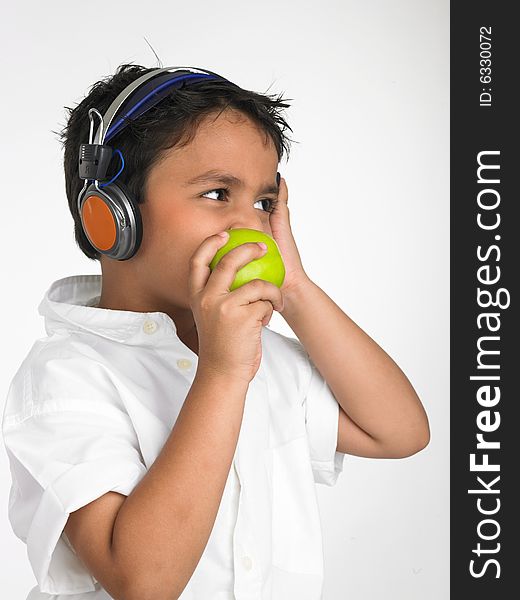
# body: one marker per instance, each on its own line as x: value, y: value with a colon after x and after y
x: 293, y: 297
x: 215, y: 377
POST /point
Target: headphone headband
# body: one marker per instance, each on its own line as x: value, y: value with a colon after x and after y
x: 149, y: 94
x: 133, y: 101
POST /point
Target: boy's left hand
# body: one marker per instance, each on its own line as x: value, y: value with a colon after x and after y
x: 282, y: 234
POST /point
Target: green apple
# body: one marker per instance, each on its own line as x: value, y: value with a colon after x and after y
x: 268, y: 267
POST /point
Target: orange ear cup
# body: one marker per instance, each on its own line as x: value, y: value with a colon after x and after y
x: 99, y: 223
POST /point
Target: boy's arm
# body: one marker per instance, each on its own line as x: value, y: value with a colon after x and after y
x: 381, y: 416
x: 146, y: 546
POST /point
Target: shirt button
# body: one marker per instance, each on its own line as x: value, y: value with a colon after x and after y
x: 150, y: 326
x: 247, y: 563
x: 184, y: 363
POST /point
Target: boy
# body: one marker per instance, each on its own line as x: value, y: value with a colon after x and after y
x: 163, y: 442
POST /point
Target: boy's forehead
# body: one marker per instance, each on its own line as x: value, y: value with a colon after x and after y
x: 227, y: 150
x: 229, y: 126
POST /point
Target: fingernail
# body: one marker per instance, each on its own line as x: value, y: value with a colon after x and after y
x: 278, y: 177
x: 224, y: 234
x: 262, y: 245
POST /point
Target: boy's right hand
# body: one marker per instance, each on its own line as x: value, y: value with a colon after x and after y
x: 229, y: 324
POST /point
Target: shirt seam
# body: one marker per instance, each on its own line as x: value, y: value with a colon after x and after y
x: 28, y: 385
x: 13, y: 421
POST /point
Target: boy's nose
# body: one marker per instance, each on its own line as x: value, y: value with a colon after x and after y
x: 248, y: 225
x: 247, y: 219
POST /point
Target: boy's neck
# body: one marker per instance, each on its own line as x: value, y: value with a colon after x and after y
x: 124, y: 295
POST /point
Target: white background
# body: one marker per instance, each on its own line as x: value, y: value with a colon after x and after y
x: 369, y: 197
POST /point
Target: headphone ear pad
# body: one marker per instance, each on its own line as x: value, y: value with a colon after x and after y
x: 112, y: 221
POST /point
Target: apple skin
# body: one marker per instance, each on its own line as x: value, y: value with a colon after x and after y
x: 268, y: 267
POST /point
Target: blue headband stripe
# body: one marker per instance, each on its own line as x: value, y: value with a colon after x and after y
x: 123, y: 121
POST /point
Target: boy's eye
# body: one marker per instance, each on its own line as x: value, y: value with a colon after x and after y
x: 213, y: 191
x: 271, y: 202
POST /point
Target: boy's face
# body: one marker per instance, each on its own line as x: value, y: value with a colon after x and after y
x: 178, y: 214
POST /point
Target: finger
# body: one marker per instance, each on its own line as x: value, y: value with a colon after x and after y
x: 258, y: 289
x: 262, y: 311
x: 225, y: 272
x: 283, y: 192
x: 267, y: 318
x: 199, y: 262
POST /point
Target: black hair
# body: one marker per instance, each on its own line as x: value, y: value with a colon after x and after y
x: 172, y: 122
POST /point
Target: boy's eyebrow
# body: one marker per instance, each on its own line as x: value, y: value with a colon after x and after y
x: 227, y: 179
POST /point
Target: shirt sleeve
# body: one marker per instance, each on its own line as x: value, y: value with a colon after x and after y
x: 321, y: 416
x: 64, y: 455
x: 321, y: 422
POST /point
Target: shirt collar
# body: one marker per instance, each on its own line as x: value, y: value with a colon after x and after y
x: 70, y: 305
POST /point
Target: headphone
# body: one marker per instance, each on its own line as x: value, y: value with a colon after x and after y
x: 109, y: 216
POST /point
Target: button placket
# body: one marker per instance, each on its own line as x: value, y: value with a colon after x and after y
x: 252, y: 535
x: 247, y: 575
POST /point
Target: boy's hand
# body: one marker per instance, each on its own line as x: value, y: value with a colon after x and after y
x: 229, y: 324
x: 281, y: 229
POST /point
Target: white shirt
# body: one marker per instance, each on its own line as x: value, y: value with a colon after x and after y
x: 93, y: 403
